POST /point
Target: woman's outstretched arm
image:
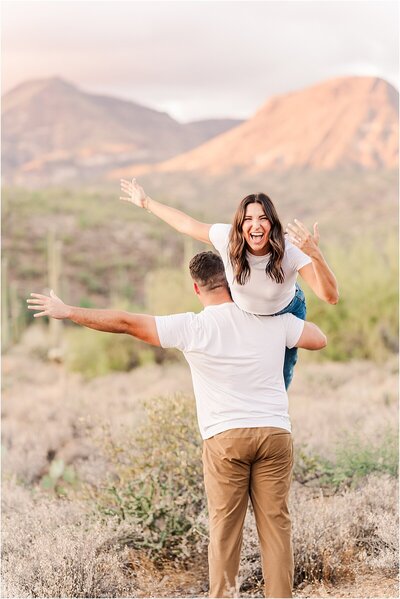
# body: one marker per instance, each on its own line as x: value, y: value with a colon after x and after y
x: 317, y: 275
x: 173, y: 217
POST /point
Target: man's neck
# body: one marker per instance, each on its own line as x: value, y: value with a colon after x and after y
x: 215, y: 298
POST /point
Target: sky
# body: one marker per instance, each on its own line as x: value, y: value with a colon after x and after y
x: 198, y: 59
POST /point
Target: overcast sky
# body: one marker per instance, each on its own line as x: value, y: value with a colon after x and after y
x: 198, y: 59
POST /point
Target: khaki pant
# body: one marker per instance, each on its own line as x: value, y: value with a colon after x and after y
x: 253, y: 463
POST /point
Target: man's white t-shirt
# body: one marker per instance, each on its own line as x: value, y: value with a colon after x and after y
x: 260, y: 294
x: 236, y: 360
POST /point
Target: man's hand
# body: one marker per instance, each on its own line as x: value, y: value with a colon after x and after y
x: 48, y: 305
x: 135, y: 193
x: 302, y: 238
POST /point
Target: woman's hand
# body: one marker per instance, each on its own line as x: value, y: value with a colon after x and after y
x: 135, y: 193
x: 175, y: 218
x: 317, y: 275
x: 48, y: 306
x: 300, y: 236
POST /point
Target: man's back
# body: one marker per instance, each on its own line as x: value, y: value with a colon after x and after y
x: 236, y: 360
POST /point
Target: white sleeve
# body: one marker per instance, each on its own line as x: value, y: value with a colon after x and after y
x: 219, y: 236
x: 294, y: 328
x: 175, y: 330
x: 297, y: 258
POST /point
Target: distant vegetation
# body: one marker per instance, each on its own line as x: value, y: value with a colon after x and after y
x: 112, y: 254
x: 364, y: 324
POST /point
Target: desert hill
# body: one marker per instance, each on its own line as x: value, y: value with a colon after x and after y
x: 347, y: 122
x: 52, y: 132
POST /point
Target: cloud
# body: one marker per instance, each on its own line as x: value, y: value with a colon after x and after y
x: 198, y: 58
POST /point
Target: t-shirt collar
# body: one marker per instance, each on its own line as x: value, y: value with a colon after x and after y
x: 252, y: 259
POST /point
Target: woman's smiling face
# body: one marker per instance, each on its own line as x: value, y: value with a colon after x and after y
x: 256, y: 228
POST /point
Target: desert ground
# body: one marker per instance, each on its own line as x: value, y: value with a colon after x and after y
x: 54, y: 416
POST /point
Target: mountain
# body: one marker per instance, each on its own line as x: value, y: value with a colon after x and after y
x: 52, y: 131
x: 348, y: 122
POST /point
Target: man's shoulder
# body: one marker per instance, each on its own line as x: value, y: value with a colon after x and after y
x: 175, y: 330
x: 177, y: 319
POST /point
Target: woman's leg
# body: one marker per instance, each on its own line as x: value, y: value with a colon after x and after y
x: 291, y: 356
x: 297, y: 308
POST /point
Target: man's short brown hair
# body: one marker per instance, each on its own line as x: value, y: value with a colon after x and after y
x: 207, y: 270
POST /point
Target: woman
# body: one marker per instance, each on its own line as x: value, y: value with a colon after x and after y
x: 261, y: 264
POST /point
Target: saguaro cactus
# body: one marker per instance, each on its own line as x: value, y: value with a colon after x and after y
x: 5, y: 311
x: 15, y: 312
x: 188, y: 251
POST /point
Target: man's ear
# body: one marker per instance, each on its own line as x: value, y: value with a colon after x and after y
x: 196, y: 288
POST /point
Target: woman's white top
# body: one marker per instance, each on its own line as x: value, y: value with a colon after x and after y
x: 260, y: 294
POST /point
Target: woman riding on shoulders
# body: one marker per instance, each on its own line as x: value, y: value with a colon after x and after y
x: 261, y: 263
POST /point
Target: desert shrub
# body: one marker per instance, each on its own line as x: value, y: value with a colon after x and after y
x: 170, y: 291
x: 60, y: 477
x: 160, y: 491
x: 95, y: 354
x: 379, y: 541
x: 355, y: 458
x: 331, y: 535
x: 364, y: 324
x: 54, y: 548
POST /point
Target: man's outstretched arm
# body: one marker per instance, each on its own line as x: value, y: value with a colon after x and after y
x: 141, y: 326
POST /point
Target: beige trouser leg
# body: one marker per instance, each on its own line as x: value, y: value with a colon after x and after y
x: 271, y: 475
x: 243, y: 463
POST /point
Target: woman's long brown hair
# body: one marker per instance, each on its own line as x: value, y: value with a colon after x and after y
x: 276, y: 241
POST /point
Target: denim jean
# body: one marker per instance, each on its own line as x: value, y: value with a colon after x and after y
x: 297, y: 307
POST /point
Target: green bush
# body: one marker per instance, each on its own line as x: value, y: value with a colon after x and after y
x: 170, y: 291
x: 160, y: 489
x: 364, y: 324
x: 60, y: 478
x: 355, y: 458
x: 95, y: 354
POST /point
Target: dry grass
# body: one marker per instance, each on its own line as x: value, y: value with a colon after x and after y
x: 333, y: 536
x: 328, y: 401
x: 56, y: 546
x: 53, y: 548
x: 68, y: 412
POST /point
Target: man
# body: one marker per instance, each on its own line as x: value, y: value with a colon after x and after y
x: 236, y: 361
